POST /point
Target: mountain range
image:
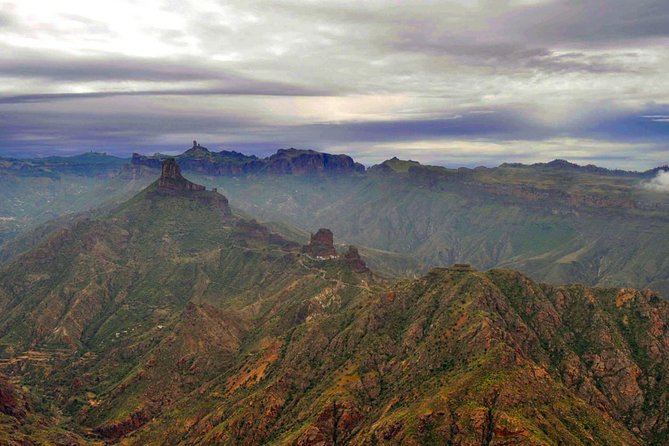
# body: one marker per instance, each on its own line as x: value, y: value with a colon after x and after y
x: 170, y: 318
x: 558, y: 222
x: 284, y: 161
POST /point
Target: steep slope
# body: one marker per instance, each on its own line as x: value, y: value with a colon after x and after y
x: 457, y: 357
x: 118, y: 317
x: 22, y: 424
x: 557, y: 221
x: 172, y: 321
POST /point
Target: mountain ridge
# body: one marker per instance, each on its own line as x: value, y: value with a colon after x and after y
x: 284, y: 161
x: 171, y: 321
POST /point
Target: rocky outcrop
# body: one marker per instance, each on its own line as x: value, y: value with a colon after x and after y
x: 321, y: 245
x: 334, y: 426
x: 307, y: 162
x: 352, y: 257
x: 284, y: 161
x: 171, y: 181
x: 170, y: 178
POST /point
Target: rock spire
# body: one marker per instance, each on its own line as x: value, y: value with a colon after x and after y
x: 170, y: 177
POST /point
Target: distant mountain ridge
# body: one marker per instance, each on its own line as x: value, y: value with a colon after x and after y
x: 589, y: 168
x: 555, y: 221
x: 284, y: 161
x: 85, y: 164
x: 300, y: 162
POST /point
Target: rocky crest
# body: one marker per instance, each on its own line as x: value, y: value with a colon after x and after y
x: 321, y: 245
x: 352, y: 257
x: 171, y: 181
x: 305, y: 162
x: 284, y: 161
x: 170, y: 177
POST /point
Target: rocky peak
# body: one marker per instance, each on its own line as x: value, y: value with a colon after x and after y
x: 352, y: 257
x: 196, y: 152
x: 321, y: 245
x: 170, y: 177
x: 170, y: 169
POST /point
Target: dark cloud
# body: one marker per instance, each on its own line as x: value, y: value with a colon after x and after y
x: 619, y: 126
x: 610, y: 22
x: 115, y: 131
x: 113, y: 68
x: 39, y: 133
x: 69, y: 68
x: 123, y: 133
x: 501, y: 125
x: 514, y: 56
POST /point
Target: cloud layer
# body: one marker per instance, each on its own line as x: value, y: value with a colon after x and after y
x: 660, y: 183
x: 455, y: 82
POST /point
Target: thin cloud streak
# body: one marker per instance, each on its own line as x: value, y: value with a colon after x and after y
x: 258, y: 90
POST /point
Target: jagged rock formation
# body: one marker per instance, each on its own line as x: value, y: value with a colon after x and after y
x: 306, y: 162
x: 284, y: 161
x: 171, y: 181
x: 321, y: 245
x: 170, y: 178
x: 352, y: 257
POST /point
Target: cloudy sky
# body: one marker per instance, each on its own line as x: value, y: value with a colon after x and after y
x: 449, y: 82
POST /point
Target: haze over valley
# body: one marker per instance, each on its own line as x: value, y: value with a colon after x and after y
x: 334, y: 223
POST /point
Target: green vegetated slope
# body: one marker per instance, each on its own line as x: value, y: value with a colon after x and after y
x: 558, y: 226
x: 171, y: 321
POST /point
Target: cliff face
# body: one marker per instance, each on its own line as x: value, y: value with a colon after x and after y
x: 285, y: 161
x: 170, y: 178
x: 352, y: 257
x: 306, y: 162
x: 321, y: 245
x: 171, y: 181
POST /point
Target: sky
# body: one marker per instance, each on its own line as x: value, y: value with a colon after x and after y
x: 456, y: 83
